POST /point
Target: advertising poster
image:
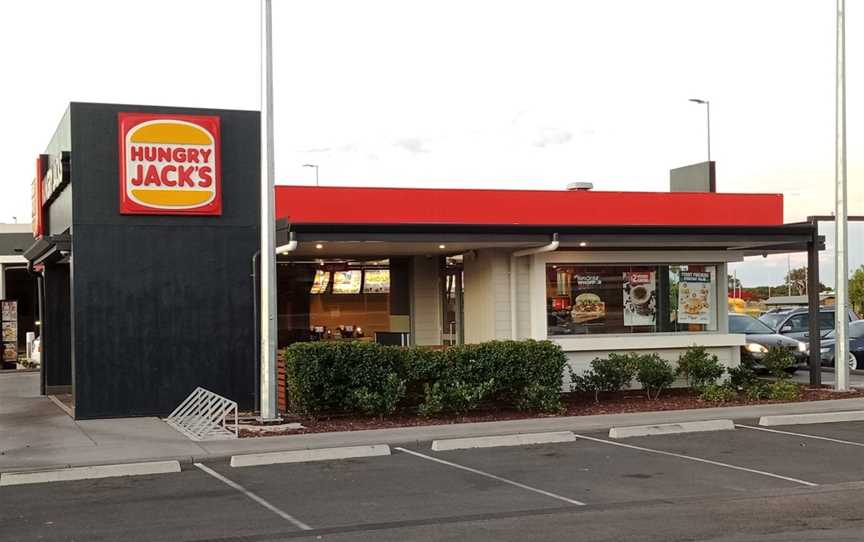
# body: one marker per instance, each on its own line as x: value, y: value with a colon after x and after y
x: 10, y: 332
x: 694, y: 297
x: 640, y: 299
x: 588, y: 306
x: 9, y: 311
x: 10, y: 352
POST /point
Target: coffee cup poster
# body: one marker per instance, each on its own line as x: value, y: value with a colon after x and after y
x: 694, y: 298
x: 640, y: 299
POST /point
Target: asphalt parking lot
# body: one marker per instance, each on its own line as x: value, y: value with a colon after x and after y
x: 797, y: 483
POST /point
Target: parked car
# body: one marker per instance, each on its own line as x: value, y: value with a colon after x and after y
x: 795, y: 323
x: 760, y: 338
x: 856, y: 346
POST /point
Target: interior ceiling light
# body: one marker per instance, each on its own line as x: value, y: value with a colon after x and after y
x: 583, y: 244
x: 442, y: 246
x: 319, y: 246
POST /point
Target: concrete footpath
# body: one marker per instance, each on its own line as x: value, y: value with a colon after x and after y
x: 36, y: 434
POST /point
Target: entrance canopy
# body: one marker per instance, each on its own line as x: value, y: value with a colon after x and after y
x: 365, y: 222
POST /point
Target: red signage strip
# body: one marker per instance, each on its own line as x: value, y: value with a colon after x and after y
x: 343, y: 205
x: 169, y: 164
x: 37, y: 199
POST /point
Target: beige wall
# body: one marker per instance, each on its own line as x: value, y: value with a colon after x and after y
x: 426, y: 309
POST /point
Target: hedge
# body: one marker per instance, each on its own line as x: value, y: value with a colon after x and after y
x: 368, y: 378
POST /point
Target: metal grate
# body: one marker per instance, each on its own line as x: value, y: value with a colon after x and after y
x: 202, y: 416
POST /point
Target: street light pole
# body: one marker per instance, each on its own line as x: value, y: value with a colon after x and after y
x: 841, y: 324
x: 316, y: 171
x: 268, y: 223
x: 708, y: 113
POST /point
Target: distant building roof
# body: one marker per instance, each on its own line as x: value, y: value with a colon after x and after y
x: 795, y: 300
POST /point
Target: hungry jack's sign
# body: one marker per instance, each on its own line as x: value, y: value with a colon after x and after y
x: 169, y: 164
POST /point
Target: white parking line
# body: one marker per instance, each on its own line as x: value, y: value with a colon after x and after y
x: 699, y: 460
x: 492, y: 476
x: 817, y: 437
x: 254, y: 497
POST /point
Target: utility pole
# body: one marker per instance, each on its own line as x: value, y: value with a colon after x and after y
x: 841, y: 322
x: 268, y: 223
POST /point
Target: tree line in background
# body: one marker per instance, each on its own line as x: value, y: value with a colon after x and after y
x: 795, y: 283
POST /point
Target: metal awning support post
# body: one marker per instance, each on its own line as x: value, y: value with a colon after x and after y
x: 814, y: 341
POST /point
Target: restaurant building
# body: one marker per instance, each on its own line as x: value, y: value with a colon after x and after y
x: 149, y: 216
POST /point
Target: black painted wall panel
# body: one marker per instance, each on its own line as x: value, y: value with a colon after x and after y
x: 57, y: 327
x: 162, y: 304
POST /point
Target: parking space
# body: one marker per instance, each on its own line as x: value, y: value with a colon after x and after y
x: 418, y: 487
x: 811, y: 460
x: 185, y: 505
x: 597, y: 473
x: 380, y: 490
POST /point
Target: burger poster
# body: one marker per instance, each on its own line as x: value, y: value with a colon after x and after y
x: 588, y: 307
x: 640, y: 300
x: 169, y: 164
x: 695, y: 292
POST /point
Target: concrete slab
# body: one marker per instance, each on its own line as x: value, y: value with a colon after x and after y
x: 306, y: 456
x: 88, y: 473
x: 521, y: 439
x: 671, y: 428
x: 803, y: 419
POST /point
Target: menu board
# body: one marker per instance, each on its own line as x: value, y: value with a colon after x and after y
x: 695, y: 291
x: 376, y: 281
x: 347, y: 282
x: 9, y: 330
x: 320, y: 282
x: 588, y: 307
x: 8, y: 311
x: 640, y: 298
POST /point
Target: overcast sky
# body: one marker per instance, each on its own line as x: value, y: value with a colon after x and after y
x: 469, y: 93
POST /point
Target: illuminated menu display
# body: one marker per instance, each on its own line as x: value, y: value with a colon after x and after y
x: 347, y: 282
x: 377, y: 281
x: 320, y: 283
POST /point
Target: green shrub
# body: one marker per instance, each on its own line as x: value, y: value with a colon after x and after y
x: 778, y: 361
x: 383, y: 401
x: 654, y: 374
x: 742, y: 377
x: 783, y: 390
x: 454, y: 397
x: 758, y: 391
x: 719, y: 393
x: 368, y: 378
x: 700, y: 368
x: 612, y: 373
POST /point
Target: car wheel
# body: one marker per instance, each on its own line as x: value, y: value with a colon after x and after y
x: 853, y: 361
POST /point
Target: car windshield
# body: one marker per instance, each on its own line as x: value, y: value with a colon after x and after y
x: 772, y: 320
x: 741, y: 323
x: 856, y: 330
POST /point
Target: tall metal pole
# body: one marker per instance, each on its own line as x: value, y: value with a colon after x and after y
x: 268, y: 226
x: 708, y: 112
x: 841, y: 325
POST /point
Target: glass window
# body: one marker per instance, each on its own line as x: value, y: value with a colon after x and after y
x: 799, y: 322
x: 826, y: 320
x: 742, y: 323
x: 591, y: 299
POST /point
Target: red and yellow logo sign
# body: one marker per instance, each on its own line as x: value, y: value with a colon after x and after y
x: 169, y: 164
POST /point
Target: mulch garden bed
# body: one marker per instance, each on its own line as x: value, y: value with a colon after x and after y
x: 575, y: 405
